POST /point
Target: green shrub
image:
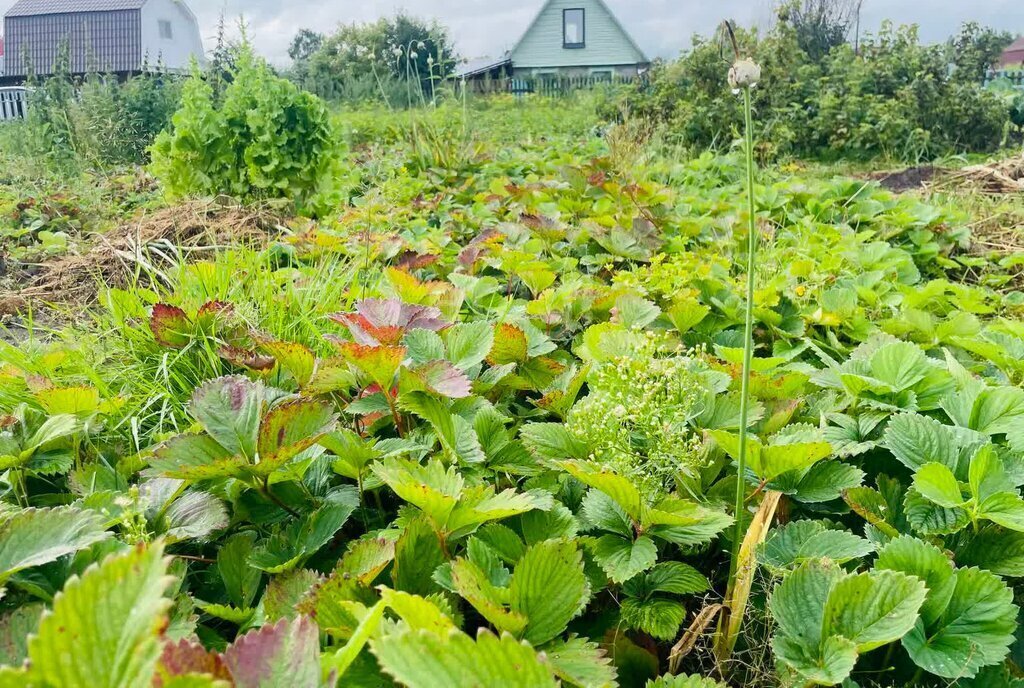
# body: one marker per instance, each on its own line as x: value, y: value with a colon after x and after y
x: 96, y: 122
x: 263, y: 139
x: 894, y: 98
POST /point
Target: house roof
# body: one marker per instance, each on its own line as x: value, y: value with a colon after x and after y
x: 604, y: 6
x: 481, y: 66
x: 1014, y: 54
x: 31, y: 8
x: 1016, y: 45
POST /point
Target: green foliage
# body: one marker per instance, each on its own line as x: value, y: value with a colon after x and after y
x: 385, y: 445
x: 262, y: 139
x: 398, y: 60
x: 97, y: 121
x: 818, y: 98
x: 826, y: 618
x: 103, y: 630
x: 968, y: 619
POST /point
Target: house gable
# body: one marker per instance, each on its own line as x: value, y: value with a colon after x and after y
x: 118, y: 36
x: 605, y: 41
x: 170, y: 35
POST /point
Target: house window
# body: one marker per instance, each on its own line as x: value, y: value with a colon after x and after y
x: 574, y: 28
x: 166, y: 30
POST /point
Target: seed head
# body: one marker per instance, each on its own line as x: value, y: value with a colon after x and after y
x: 744, y: 73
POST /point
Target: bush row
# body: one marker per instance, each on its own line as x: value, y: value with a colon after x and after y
x: 892, y: 97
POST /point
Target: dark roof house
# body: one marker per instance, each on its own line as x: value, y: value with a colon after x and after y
x: 1014, y: 55
x: 117, y: 36
x: 567, y: 38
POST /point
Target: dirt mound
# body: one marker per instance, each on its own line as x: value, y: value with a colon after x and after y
x: 908, y: 179
x: 143, y: 246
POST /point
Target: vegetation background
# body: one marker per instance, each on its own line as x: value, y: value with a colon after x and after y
x: 343, y: 374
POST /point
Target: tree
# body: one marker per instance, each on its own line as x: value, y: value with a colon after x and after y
x: 374, y: 57
x: 975, y: 49
x: 305, y: 44
x: 820, y: 25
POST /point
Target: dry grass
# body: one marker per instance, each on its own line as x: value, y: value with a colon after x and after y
x: 992, y: 194
x: 143, y: 247
x: 998, y: 177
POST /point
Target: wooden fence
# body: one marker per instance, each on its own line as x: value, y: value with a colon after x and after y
x: 13, y: 103
x: 1014, y: 76
x: 553, y: 86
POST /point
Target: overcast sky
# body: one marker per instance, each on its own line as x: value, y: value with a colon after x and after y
x: 661, y: 27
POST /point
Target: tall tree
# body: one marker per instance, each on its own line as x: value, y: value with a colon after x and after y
x: 397, y: 49
x: 976, y: 48
x: 820, y: 25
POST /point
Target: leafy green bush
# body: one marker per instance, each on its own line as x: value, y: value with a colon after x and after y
x: 896, y: 98
x: 264, y: 138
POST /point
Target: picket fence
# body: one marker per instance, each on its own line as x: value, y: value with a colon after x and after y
x: 553, y: 86
x: 1014, y: 76
x: 13, y: 103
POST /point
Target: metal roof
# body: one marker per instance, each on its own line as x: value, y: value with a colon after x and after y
x: 33, y: 8
x: 481, y: 65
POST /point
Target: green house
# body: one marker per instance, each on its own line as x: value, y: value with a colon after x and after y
x: 567, y: 38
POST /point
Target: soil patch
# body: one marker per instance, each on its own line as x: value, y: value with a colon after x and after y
x: 909, y: 179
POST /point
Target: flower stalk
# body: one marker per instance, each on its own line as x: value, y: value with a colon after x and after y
x: 743, y: 77
x: 748, y: 330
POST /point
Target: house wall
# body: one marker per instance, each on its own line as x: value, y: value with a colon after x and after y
x: 177, y: 52
x: 1012, y: 58
x: 606, y: 42
x: 105, y: 41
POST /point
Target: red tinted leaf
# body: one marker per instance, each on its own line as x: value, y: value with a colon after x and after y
x: 188, y: 657
x: 286, y: 654
x: 229, y: 409
x: 415, y: 261
x: 441, y: 377
x: 475, y: 248
x: 295, y: 358
x: 374, y: 314
x: 244, y: 358
x: 290, y: 428
x: 379, y: 363
x: 215, y: 308
x: 510, y: 345
x: 385, y: 321
x: 170, y: 325
x: 365, y: 332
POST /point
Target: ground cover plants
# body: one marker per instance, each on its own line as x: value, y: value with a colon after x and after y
x: 481, y: 424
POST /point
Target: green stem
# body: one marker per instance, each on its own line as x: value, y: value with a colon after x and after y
x: 264, y: 489
x: 748, y: 339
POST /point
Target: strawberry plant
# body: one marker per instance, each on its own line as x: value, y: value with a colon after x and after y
x: 507, y: 424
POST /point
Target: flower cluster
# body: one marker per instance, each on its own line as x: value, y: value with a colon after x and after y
x: 636, y: 417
